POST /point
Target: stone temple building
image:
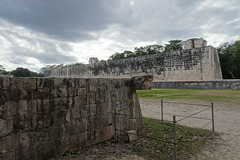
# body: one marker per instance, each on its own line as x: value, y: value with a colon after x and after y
x: 196, y: 61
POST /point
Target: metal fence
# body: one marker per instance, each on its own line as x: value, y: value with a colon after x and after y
x: 209, y: 108
x: 173, y: 141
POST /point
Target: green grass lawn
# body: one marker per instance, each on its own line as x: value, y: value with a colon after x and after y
x: 202, y: 94
x: 159, y: 146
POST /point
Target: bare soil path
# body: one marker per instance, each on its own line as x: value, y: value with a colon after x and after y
x: 227, y: 123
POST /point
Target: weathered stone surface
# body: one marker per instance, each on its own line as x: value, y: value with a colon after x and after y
x: 142, y: 82
x: 194, y: 43
x: 42, y: 118
x: 220, y: 84
x: 196, y: 62
x: 132, y: 135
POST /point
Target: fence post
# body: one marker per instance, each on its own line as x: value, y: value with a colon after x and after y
x: 162, y: 109
x: 213, y: 118
x: 174, y: 138
x: 115, y: 125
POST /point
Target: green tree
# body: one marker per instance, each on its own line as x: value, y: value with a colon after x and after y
x: 229, y: 55
x: 148, y: 50
x: 116, y: 56
x: 173, y: 45
x: 21, y: 72
x: 128, y: 54
x: 24, y: 72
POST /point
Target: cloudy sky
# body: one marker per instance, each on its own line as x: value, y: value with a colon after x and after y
x: 36, y: 33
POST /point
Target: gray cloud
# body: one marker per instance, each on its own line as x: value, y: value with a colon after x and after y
x: 60, y: 31
x: 67, y: 20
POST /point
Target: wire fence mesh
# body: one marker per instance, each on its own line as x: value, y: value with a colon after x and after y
x: 174, y: 140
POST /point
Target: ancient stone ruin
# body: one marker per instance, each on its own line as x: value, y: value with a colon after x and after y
x: 196, y: 61
x: 41, y: 118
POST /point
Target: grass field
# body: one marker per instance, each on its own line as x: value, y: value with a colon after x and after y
x: 203, y: 94
x: 159, y: 144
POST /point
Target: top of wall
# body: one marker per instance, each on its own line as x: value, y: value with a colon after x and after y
x: 195, y: 62
x: 194, y: 43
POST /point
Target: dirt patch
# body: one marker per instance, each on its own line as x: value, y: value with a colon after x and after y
x: 108, y: 150
x: 227, y: 118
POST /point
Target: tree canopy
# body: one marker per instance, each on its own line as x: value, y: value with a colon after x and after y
x: 172, y: 45
x: 24, y: 72
x: 229, y: 55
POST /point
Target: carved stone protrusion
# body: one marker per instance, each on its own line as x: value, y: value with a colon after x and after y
x: 142, y: 82
x: 194, y: 43
x: 93, y: 60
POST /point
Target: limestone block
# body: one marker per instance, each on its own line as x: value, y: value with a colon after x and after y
x: 45, y: 105
x: 92, y: 98
x: 42, y: 135
x: 68, y: 116
x: 58, y: 117
x: 12, y: 95
x: 92, y: 83
x: 41, y: 94
x: 4, y: 81
x: 106, y: 120
x: 104, y: 108
x: 113, y: 96
x: 22, y: 83
x: 93, y: 60
x: 25, y: 153
x: 132, y: 135
x: 30, y: 122
x: 22, y: 107
x: 54, y: 132
x: 62, y: 92
x: 10, y: 142
x: 77, y: 101
x: 48, y: 149
x: 94, y: 122
x: 44, y: 120
x: 84, y: 111
x: 81, y: 91
x: 71, y: 92
x: 59, y: 83
x: 10, y: 108
x: 75, y: 113
x: 26, y: 94
x: 74, y: 142
x: 142, y: 82
x: 102, y: 95
x: 45, y: 82
x: 102, y: 83
x: 6, y: 126
x: 85, y: 138
x: 61, y: 103
x: 8, y: 156
x: 93, y: 109
x: 18, y: 123
x: 82, y: 83
x: 83, y: 125
x: 61, y: 145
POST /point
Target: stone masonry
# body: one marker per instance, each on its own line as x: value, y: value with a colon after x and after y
x: 41, y: 118
x: 196, y: 62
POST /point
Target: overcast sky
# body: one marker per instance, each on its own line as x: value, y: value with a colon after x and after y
x: 36, y: 33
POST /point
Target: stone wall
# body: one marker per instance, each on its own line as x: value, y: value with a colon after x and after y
x: 41, y: 118
x: 217, y: 84
x: 190, y: 64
